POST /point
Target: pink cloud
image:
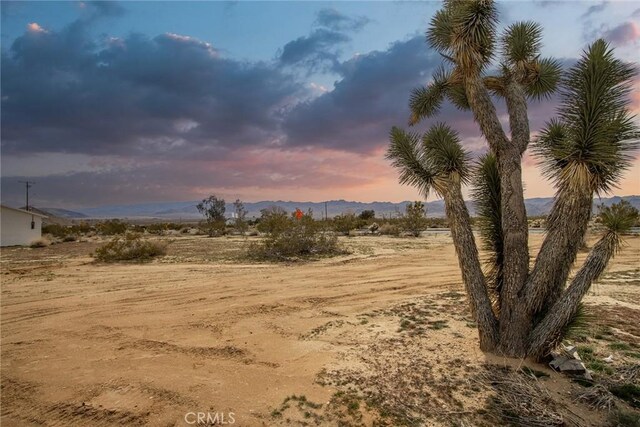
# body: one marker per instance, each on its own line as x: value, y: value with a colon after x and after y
x: 623, y: 34
x: 34, y: 27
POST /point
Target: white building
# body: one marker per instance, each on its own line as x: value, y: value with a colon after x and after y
x: 19, y: 227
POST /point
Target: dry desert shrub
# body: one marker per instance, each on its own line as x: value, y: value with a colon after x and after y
x: 389, y: 229
x: 519, y: 399
x: 597, y: 397
x: 130, y: 247
x: 40, y: 243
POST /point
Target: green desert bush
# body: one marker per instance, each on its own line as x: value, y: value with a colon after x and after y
x: 273, y: 219
x: 293, y: 239
x: 346, y: 222
x: 130, y: 247
x: 161, y: 228
x: 66, y: 233
x: 56, y: 230
x: 112, y: 227
x: 414, y: 220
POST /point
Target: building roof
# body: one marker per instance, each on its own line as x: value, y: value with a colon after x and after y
x: 23, y: 211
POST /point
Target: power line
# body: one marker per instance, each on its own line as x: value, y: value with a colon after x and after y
x: 28, y: 185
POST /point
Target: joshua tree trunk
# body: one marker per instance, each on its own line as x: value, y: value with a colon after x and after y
x: 514, y: 322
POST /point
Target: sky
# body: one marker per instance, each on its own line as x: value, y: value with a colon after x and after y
x: 132, y: 102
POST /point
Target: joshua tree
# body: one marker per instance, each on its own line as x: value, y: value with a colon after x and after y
x: 519, y: 310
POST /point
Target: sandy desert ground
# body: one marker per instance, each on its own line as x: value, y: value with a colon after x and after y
x: 201, y: 331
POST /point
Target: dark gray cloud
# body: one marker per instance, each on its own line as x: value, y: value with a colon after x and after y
x: 331, y: 18
x: 595, y: 9
x: 371, y: 97
x: 65, y: 92
x: 318, y: 48
x: 321, y: 49
x: 106, y: 8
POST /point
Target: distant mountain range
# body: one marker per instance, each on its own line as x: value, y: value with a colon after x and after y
x: 188, y: 211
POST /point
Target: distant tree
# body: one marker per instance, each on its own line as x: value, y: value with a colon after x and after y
x: 240, y: 215
x: 414, y: 219
x: 521, y: 308
x: 367, y: 214
x: 213, y: 210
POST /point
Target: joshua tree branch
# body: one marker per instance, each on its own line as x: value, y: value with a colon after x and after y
x: 515, y: 97
x: 547, y: 332
x: 568, y: 223
x: 485, y: 113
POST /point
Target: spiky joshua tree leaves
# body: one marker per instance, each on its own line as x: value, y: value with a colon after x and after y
x: 520, y: 311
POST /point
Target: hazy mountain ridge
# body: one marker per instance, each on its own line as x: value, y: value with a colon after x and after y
x: 187, y: 210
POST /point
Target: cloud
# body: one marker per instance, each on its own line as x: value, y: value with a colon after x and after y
x: 371, y: 97
x: 106, y: 8
x: 331, y: 18
x: 171, y: 95
x: 319, y: 47
x: 623, y: 34
x: 595, y: 9
x: 34, y: 27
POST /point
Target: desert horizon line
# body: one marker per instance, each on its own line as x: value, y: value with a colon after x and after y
x: 230, y: 201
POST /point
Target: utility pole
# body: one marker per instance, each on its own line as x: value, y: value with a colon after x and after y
x: 326, y: 216
x: 28, y: 185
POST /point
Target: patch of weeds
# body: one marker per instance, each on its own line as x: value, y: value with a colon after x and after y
x: 322, y: 329
x: 437, y: 324
x: 305, y: 408
x: 587, y: 354
x: 622, y: 418
x: 619, y: 346
x: 634, y: 354
x: 603, y: 332
x: 628, y: 392
x: 600, y: 367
